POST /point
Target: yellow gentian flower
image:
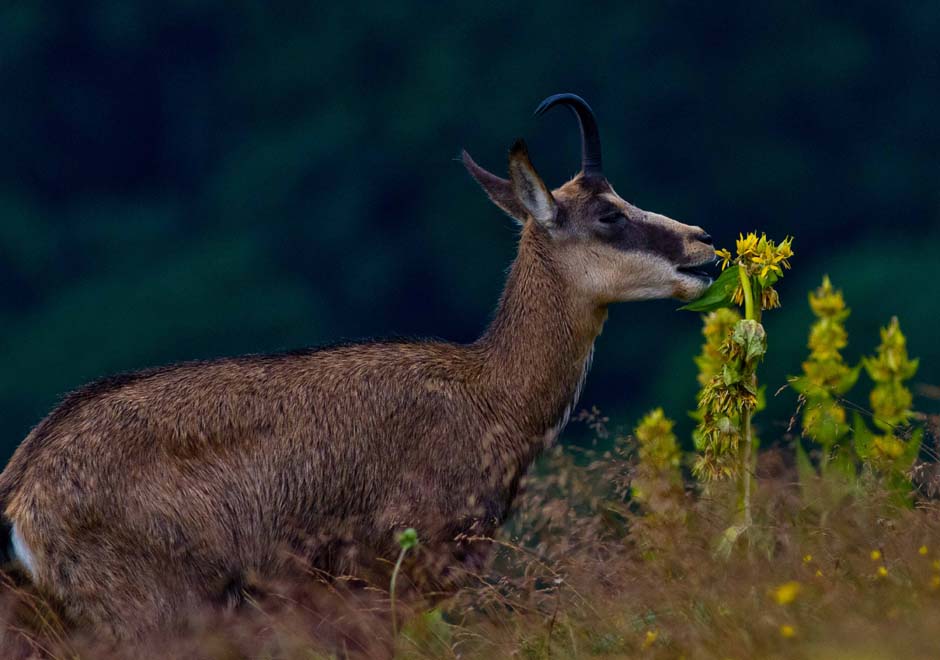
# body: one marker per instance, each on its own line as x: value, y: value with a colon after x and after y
x: 725, y: 256
x: 786, y: 593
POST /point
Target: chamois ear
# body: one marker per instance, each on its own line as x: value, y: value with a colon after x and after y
x: 498, y: 189
x: 529, y: 188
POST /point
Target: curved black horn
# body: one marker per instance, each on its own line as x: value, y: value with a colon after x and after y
x: 590, y: 138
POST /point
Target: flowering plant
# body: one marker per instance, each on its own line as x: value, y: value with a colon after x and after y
x: 889, y: 452
x: 657, y: 483
x: 729, y: 394
x: 826, y: 376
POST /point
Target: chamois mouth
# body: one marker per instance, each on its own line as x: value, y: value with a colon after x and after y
x: 703, y: 271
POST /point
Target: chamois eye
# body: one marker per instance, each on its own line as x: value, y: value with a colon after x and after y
x: 611, y: 218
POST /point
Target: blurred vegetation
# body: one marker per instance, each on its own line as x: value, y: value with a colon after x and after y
x: 192, y: 179
x: 607, y: 555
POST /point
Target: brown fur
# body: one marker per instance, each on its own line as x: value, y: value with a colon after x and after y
x: 146, y: 494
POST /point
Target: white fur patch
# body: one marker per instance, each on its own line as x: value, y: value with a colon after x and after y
x: 552, y: 435
x: 22, y: 552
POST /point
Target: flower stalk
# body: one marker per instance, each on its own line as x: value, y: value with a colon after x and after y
x: 748, y: 293
x: 407, y: 540
x: 752, y: 313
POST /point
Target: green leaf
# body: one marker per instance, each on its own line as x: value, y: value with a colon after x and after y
x: 842, y: 465
x: 900, y: 487
x: 769, y: 280
x: 430, y: 632
x: 802, y: 385
x: 698, y: 440
x: 750, y: 336
x: 847, y: 382
x: 911, y: 450
x: 804, y: 467
x: 730, y: 374
x: 718, y: 294
x: 863, y: 437
x: 750, y: 386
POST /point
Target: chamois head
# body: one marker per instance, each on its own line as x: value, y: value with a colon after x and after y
x: 609, y: 250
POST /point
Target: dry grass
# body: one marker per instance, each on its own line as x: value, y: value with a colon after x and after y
x: 579, y: 573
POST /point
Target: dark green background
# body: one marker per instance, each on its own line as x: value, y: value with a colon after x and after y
x: 189, y: 179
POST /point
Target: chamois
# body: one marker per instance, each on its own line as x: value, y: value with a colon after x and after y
x: 145, y: 494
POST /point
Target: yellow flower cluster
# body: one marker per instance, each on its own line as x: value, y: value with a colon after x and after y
x: 889, y: 368
x: 890, y: 402
x: 657, y: 482
x: 825, y: 375
x: 658, y: 447
x: 761, y: 259
x: 828, y: 335
x: 762, y: 256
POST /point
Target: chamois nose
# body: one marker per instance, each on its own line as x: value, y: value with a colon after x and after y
x: 704, y: 237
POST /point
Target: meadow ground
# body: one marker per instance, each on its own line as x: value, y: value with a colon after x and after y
x: 582, y: 571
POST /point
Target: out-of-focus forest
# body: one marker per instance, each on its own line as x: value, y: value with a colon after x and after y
x: 190, y: 179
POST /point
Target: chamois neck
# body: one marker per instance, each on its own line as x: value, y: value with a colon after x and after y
x: 542, y: 336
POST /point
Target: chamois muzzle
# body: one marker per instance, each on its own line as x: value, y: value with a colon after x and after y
x: 590, y: 137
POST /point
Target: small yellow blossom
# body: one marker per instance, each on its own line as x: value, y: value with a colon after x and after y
x: 807, y: 559
x: 725, y: 256
x: 747, y: 246
x: 875, y: 555
x: 819, y: 573
x: 882, y: 571
x: 769, y: 298
x: 936, y: 564
x: 787, y: 631
x: 786, y: 593
x: 935, y: 582
x: 922, y: 551
x: 650, y: 638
